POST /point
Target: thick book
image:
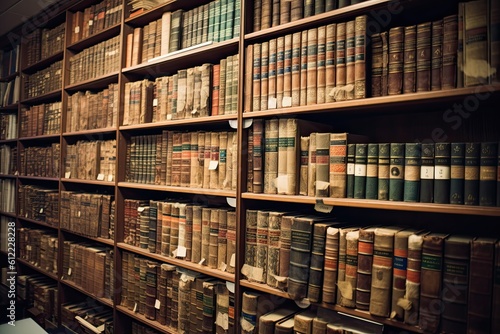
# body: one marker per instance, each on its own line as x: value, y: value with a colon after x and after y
x: 471, y: 178
x: 256, y: 77
x: 347, y: 287
x: 409, y: 59
x: 384, y: 171
x: 275, y: 149
x: 295, y: 70
x: 376, y: 67
x: 456, y: 270
x: 350, y: 54
x: 365, y: 263
x: 330, y: 269
x: 303, y: 169
x: 360, y: 57
x: 285, y: 326
x: 321, y: 79
x: 431, y: 281
x: 371, y: 191
x: 311, y: 165
x: 267, y: 322
x: 285, y: 245
x: 340, y: 62
x: 253, y: 307
x: 318, y: 250
x: 303, y: 321
x: 395, y: 63
x: 262, y: 245
x: 397, y: 172
x: 264, y: 75
x: 303, y: 68
x: 476, y: 50
x: 322, y: 182
x: 360, y: 166
x: 424, y: 57
x: 383, y: 253
x: 442, y: 156
x: 479, y: 301
x: 437, y: 55
x: 231, y: 242
x: 274, y: 245
x: 488, y: 173
x: 251, y: 237
x: 331, y: 32
x: 312, y: 66
x: 258, y: 156
x: 414, y: 265
x: 411, y: 192
x: 457, y: 173
x: 450, y: 46
x: 427, y: 173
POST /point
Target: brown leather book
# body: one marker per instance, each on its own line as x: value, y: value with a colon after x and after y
x: 424, y: 57
x: 322, y: 182
x: 256, y: 77
x: 231, y: 242
x: 350, y: 54
x: 330, y: 74
x: 321, y: 79
x: 330, y: 270
x: 268, y: 321
x: 365, y: 261
x: 258, y: 155
x: 262, y: 244
x: 316, y: 269
x: 296, y: 69
x: 347, y: 288
x: 475, y: 66
x: 395, y: 66
x: 264, y: 75
x: 409, y: 59
x: 251, y: 237
x: 285, y: 242
x: 495, y: 319
x: 415, y: 241
x: 271, y: 91
x: 249, y: 72
x: 384, y: 84
x: 377, y: 61
x: 274, y: 153
x: 360, y: 57
x: 304, y: 159
x: 437, y: 55
x: 303, y: 68
x: 274, y: 244
x: 280, y: 71
x: 340, y: 62
x: 304, y: 321
x: 311, y: 67
x: 450, y: 45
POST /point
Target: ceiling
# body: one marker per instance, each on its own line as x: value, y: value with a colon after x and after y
x: 16, y: 12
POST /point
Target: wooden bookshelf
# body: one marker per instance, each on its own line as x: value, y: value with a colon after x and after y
x: 151, y: 323
x: 104, y: 301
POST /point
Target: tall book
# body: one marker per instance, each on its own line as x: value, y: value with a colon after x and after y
x: 360, y: 164
x: 456, y: 269
x: 384, y: 171
x: 365, y: 264
x: 280, y: 162
x: 262, y: 244
x: 397, y: 172
x: 457, y: 173
x: 322, y: 183
x: 272, y: 154
x: 442, y: 157
x: 331, y: 31
x: 258, y: 155
x: 286, y: 100
x: 274, y: 244
x: 303, y: 68
x: 304, y: 160
x: 256, y: 77
x: 450, y: 46
x: 360, y: 57
x: 437, y: 55
x: 431, y: 281
x: 312, y: 66
x: 471, y: 178
x: 482, y: 256
x: 251, y: 237
x: 476, y: 49
x: 424, y: 56
x: 377, y: 61
x: 330, y: 270
x: 372, y: 171
x: 414, y: 265
x: 427, y: 173
x: 409, y: 59
x: 347, y: 287
x: 495, y: 319
x: 383, y: 252
x: 395, y: 64
x: 311, y: 165
x: 264, y: 75
x: 340, y: 62
x: 231, y: 241
x: 488, y: 173
x: 317, y: 262
x: 411, y: 192
x: 304, y: 321
x: 321, y: 79
x: 350, y: 54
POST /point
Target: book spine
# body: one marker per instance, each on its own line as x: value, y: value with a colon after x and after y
x: 412, y: 172
x: 395, y: 65
x: 427, y: 173
x: 286, y: 241
x: 321, y: 79
x: 311, y: 66
x: 251, y: 237
x: 303, y: 68
x: 331, y: 31
x: 331, y: 265
x: 409, y: 59
x: 475, y: 41
x: 488, y: 173
x: 360, y: 56
x: 424, y: 57
x: 360, y: 170
x: 258, y: 156
x: 396, y: 178
x: 311, y: 165
x: 256, y: 77
x: 296, y: 69
x: 262, y: 244
x: 264, y: 75
x: 365, y: 263
x: 304, y: 158
x: 292, y: 150
x: 471, y: 178
x: 231, y: 241
x: 414, y: 264
x: 271, y: 91
x: 450, y: 45
x: 273, y: 255
x: 301, y: 231
x: 287, y: 72
x: 317, y: 262
x: 274, y: 152
x: 280, y: 71
x: 384, y: 151
x: 377, y: 61
x: 372, y: 171
x: 457, y: 173
x: 437, y: 55
x: 495, y: 319
x: 340, y: 62
x: 322, y: 183
x: 347, y: 287
x: 442, y: 173
x: 351, y: 156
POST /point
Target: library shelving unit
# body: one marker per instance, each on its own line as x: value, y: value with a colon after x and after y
x: 76, y: 138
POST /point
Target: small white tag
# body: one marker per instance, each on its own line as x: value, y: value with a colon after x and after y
x: 201, y: 261
x: 91, y: 22
x: 67, y: 175
x: 69, y: 271
x: 140, y: 209
x: 231, y: 201
x: 232, y: 262
x: 157, y: 304
x: 194, y: 112
x: 155, y: 102
x: 169, y: 117
x: 287, y: 101
x: 41, y: 210
x: 322, y: 207
x: 222, y: 266
x: 233, y: 123
x: 230, y: 286
x: 101, y: 328
x: 181, y: 251
x: 322, y: 185
x: 272, y: 103
x: 110, y: 178
x: 282, y: 184
x: 100, y: 177
x: 79, y: 213
x: 213, y: 165
x: 77, y: 29
x: 135, y: 308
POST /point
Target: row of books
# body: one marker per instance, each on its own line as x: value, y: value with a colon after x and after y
x: 188, y: 159
x: 8, y: 159
x: 78, y: 315
x: 43, y: 81
x: 91, y: 160
x: 95, y: 19
x: 98, y: 60
x: 42, y: 119
x: 391, y: 271
x: 43, y: 43
x: 38, y: 247
x: 88, y: 110
x: 313, y: 66
x: 190, y: 232
x: 39, y: 203
x: 186, y: 301
x: 87, y: 214
x: 5, y: 223
x: 9, y: 92
x: 89, y: 267
x: 40, y: 161
x: 8, y: 126
x: 8, y: 195
x: 10, y: 61
x: 271, y: 13
x: 140, y: 6
x: 39, y: 292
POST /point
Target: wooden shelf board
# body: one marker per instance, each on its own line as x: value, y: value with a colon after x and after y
x: 178, y: 262
x: 10, y: 107
x: 7, y: 176
x: 105, y: 301
x: 108, y: 242
x: 39, y: 178
x: 37, y: 222
x: 95, y: 182
x: 9, y: 77
x: 383, y: 205
x: 187, y: 190
x: 40, y: 270
x: 9, y: 141
x: 41, y: 137
x: 94, y: 83
x: 42, y: 63
x: 151, y: 323
x: 90, y: 132
x: 8, y: 214
x: 53, y: 95
x: 178, y: 122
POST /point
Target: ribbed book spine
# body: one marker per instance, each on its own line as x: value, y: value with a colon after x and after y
x: 412, y: 172
x: 471, y: 178
x: 312, y: 65
x: 300, y: 257
x: 330, y: 74
x: 273, y: 253
x: 317, y: 262
x: 321, y: 79
x: 258, y: 154
x: 322, y: 183
x: 365, y: 263
x: 409, y: 59
x: 262, y: 244
x: 414, y: 265
x: 340, y: 61
x: 457, y: 173
x: 304, y: 159
x: 347, y: 288
x: 331, y: 265
x: 377, y: 61
x: 488, y: 173
x: 351, y: 156
x: 231, y: 241
x: 264, y: 75
x: 295, y: 69
x: 437, y: 55
x: 222, y: 241
x: 292, y: 130
x: 360, y: 170
x: 350, y: 54
x: 338, y: 165
x: 427, y: 173
x: 360, y: 57
x: 395, y: 66
x: 442, y: 173
x: 303, y: 68
x: 397, y: 172
x: 272, y: 155
x: 424, y: 57
x: 384, y: 151
x: 372, y: 171
x: 450, y: 45
x: 311, y: 165
x: 251, y: 237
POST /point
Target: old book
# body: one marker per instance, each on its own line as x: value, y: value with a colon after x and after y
x: 384, y: 77
x: 209, y: 301
x: 475, y: 63
x: 312, y: 64
x: 330, y: 74
x: 287, y: 72
x: 488, y: 173
x: 258, y: 155
x: 231, y: 241
x: 360, y: 164
x: 303, y: 69
x: 285, y: 326
x: 274, y: 244
x: 364, y: 271
x: 377, y: 61
x: 253, y: 305
x: 331, y: 262
x: 272, y: 73
x: 383, y: 252
x: 424, y: 56
x: 280, y: 71
x: 437, y: 55
x: 442, y: 173
x: 414, y: 264
x: 316, y: 282
x: 264, y: 74
x: 213, y: 244
x: 338, y: 161
x: 137, y: 47
x: 214, y: 160
x: 450, y: 45
x: 346, y: 294
x: 311, y: 165
x: 267, y: 322
x: 409, y: 59
x: 251, y: 237
x: 275, y: 153
x: 359, y: 57
x: 479, y: 301
x: 384, y: 151
x: 427, y: 173
x: 397, y: 172
x: 296, y: 10
x: 456, y: 269
x: 431, y: 280
x: 249, y: 73
x: 372, y: 171
x: 205, y: 235
x: 321, y: 79
x: 395, y: 64
x: 471, y: 178
x: 303, y: 170
x: 322, y: 183
x: 304, y: 321
x: 223, y: 163
x: 285, y: 245
x: 222, y: 241
x: 411, y: 191
x: 457, y: 173
x: 223, y: 85
x: 262, y: 245
x: 495, y: 321
x: 339, y: 93
x: 295, y: 70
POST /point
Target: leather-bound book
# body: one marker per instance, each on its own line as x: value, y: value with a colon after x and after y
x: 281, y: 159
x: 311, y: 165
x: 296, y: 10
x: 377, y: 60
x: 331, y: 32
x: 267, y: 322
x: 414, y: 265
x: 360, y: 57
x: 303, y: 68
x: 409, y: 59
x: 427, y: 173
x: 488, y: 173
x: 479, y: 301
x: 285, y: 245
x: 424, y: 57
x: 450, y: 45
x: 221, y: 240
x: 286, y: 100
x: 185, y: 159
x: 411, y: 191
x: 316, y: 283
x: 256, y: 77
x: 285, y: 326
x: 384, y: 171
x: 347, y: 288
x: 365, y: 263
x: 437, y: 55
x: 321, y: 79
x: 319, y: 325
x: 372, y: 171
x: 395, y: 66
x: 271, y: 154
x: 340, y: 62
x: 303, y: 322
x: 249, y: 75
x: 266, y: 14
x: 231, y: 241
x: 475, y: 43
x: 495, y: 319
x: 296, y: 69
x: 385, y: 63
x: 350, y: 53
x: 262, y: 244
x: 431, y: 281
x: 196, y: 234
x: 312, y: 65
x: 457, y: 173
x: 344, y: 3
x: 249, y: 182
x: 285, y: 10
x: 251, y: 237
x: 253, y: 306
x: 258, y: 154
x: 257, y: 15
x: 471, y: 178
x: 322, y: 183
x: 330, y: 269
x: 397, y: 172
x: 214, y: 156
x: 303, y: 170
x: 280, y: 71
x: 309, y: 7
x: 442, y: 156
x: 273, y: 253
x: 264, y: 75
x: 275, y: 21
x: 205, y: 235
x: 383, y: 253
x: 456, y: 269
x: 360, y: 166
x: 351, y: 156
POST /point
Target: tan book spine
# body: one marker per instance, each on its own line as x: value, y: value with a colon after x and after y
x: 195, y: 175
x: 287, y: 73
x: 321, y: 66
x: 205, y: 235
x: 274, y: 244
x: 322, y: 184
x: 264, y: 75
x: 256, y: 78
x: 249, y: 75
x: 262, y: 245
x: 303, y: 68
x: 251, y: 237
x: 196, y: 241
x: 206, y: 160
x: 340, y: 62
x: 312, y: 66
x: 292, y: 156
x: 213, y: 243
x: 272, y: 155
x: 222, y: 86
x: 231, y: 241
x: 311, y: 166
x: 348, y: 286
x: 331, y: 265
x: 360, y: 57
x: 330, y: 71
x: 222, y: 167
x: 304, y: 160
x: 412, y: 293
x: 280, y: 71
x: 296, y: 69
x: 272, y: 76
x: 214, y: 160
x: 350, y: 54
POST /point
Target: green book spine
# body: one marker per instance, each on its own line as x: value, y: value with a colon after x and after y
x: 384, y: 151
x: 372, y: 171
x: 217, y: 20
x: 457, y: 173
x: 223, y: 21
x: 427, y: 173
x: 211, y: 20
x: 397, y: 172
x: 412, y: 172
x: 488, y: 173
x: 442, y: 173
x: 360, y: 164
x: 351, y: 156
x: 319, y: 7
x: 237, y: 18
x: 229, y: 20
x: 471, y: 178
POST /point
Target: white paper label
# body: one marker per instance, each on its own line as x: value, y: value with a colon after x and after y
x: 157, y: 304
x: 140, y: 209
x: 287, y: 101
x: 110, y: 178
x: 67, y: 175
x: 91, y: 22
x: 135, y: 308
x: 232, y: 262
x: 350, y: 168
x: 213, y: 165
x: 272, y: 103
x: 181, y: 251
x: 201, y: 261
x: 41, y: 210
x: 427, y: 172
x: 282, y: 184
x: 77, y: 29
x: 359, y: 170
x: 322, y: 185
x: 322, y: 207
x: 233, y: 123
x: 222, y: 266
x: 230, y: 286
x: 442, y: 173
x: 79, y: 213
x: 155, y: 102
x: 69, y: 271
x: 100, y: 177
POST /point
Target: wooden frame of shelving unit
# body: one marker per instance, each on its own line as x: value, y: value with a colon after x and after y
x: 351, y: 115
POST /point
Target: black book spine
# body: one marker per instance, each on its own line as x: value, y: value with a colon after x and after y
x: 396, y: 178
x: 442, y: 173
x: 488, y: 174
x: 457, y: 173
x: 471, y: 178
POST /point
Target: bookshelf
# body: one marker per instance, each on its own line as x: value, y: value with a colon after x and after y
x: 93, y: 68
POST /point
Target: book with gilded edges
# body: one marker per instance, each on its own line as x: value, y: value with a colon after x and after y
x: 431, y: 280
x: 365, y: 263
x: 488, y: 173
x: 316, y: 282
